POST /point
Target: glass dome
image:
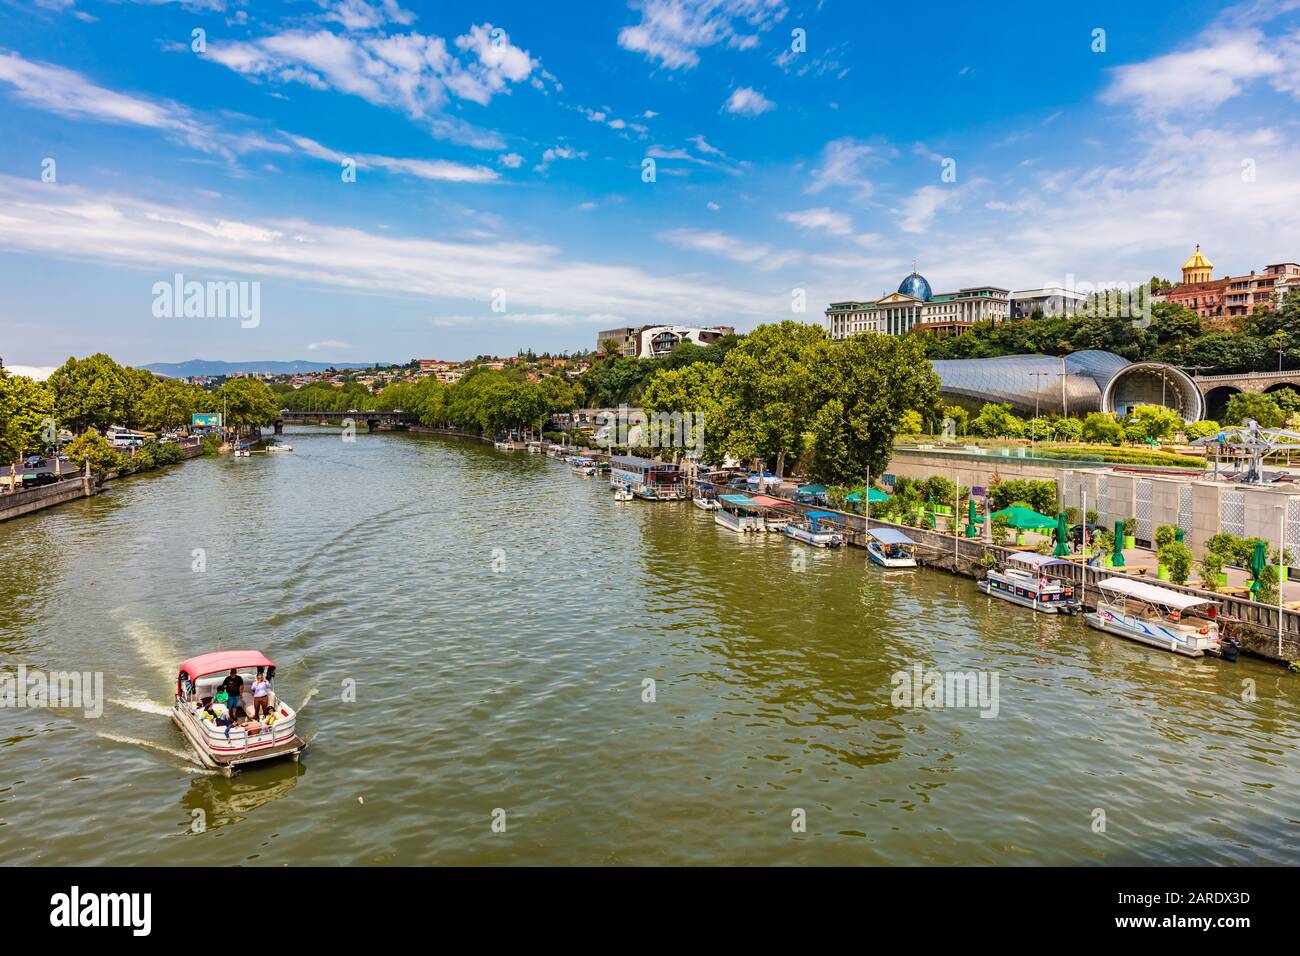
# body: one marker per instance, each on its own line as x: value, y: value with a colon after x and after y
x: 916, y: 286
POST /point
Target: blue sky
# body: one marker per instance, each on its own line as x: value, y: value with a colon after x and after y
x: 500, y: 149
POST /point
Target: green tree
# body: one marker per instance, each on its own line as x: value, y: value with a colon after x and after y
x: 1102, y: 428
x: 170, y: 403
x: 1200, y: 429
x: 247, y: 403
x: 1245, y: 406
x: 769, y: 391
x: 865, y: 385
x: 997, y: 421
x: 26, y: 416
x: 91, y: 446
x: 1152, y: 423
x: 695, y: 391
x: 93, y: 391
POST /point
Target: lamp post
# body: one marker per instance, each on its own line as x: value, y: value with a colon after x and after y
x: 1033, y: 426
x: 1281, y: 585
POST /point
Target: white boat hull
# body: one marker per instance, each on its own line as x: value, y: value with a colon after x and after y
x: 742, y: 524
x: 1149, y: 633
x: 216, y: 751
x: 705, y: 504
x: 818, y: 539
x: 879, y: 557
x: 1044, y: 607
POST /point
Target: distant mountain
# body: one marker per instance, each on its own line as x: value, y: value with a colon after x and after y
x: 205, y: 367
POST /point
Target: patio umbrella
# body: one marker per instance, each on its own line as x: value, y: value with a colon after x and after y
x: 1178, y: 534
x: 1062, y: 532
x: 971, y: 520
x: 1024, y: 519
x: 1117, y: 559
x: 1258, y: 561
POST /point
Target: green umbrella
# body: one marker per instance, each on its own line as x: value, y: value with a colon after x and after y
x: 971, y: 520
x: 1258, y: 561
x: 1061, y: 549
x: 1024, y: 519
x: 873, y: 496
x: 1178, y: 534
x: 1117, y: 559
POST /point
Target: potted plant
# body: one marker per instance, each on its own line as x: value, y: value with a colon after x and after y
x: 1212, y: 570
x: 1130, y: 533
x: 1165, y: 535
x: 1175, y: 562
x: 1281, y: 565
x: 1103, y: 543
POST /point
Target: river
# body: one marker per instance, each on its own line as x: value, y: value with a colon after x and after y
x: 500, y: 615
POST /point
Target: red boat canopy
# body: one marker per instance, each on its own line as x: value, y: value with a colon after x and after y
x: 767, y: 501
x: 218, y: 661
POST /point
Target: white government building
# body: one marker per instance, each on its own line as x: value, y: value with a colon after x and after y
x: 915, y: 306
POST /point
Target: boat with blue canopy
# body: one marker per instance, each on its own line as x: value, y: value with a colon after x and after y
x: 818, y: 528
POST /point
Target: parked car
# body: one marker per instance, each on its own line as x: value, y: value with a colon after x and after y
x: 33, y: 461
x: 35, y: 481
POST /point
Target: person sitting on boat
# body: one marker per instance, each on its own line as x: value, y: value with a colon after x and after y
x: 261, y: 694
x: 217, y: 711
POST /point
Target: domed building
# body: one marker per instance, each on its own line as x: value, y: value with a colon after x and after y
x: 915, y: 306
x: 916, y: 286
x: 1197, y: 268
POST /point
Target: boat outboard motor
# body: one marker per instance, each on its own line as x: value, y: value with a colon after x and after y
x: 1229, y: 648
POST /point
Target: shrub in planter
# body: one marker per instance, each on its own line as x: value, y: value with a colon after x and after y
x: 999, y: 529
x: 1212, y: 568
x: 1177, y: 558
x: 1165, y: 535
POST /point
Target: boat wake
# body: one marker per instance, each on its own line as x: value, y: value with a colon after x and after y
x: 154, y: 649
x: 189, y: 758
x: 143, y: 706
x: 310, y: 694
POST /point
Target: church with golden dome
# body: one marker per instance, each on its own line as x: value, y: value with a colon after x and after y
x: 1209, y: 297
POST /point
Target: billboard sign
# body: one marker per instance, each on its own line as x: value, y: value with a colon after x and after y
x: 206, y: 420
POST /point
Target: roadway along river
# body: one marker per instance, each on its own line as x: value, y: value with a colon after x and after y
x: 499, y: 615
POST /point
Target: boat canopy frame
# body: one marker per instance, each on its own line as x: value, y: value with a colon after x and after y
x: 890, y: 536
x: 1035, y: 560
x: 1152, y: 594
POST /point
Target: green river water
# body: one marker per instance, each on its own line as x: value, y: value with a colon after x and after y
x: 499, y: 616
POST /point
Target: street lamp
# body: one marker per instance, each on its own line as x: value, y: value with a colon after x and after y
x: 1033, y: 426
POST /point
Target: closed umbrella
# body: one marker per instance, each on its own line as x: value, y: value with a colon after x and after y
x: 1178, y: 534
x: 1258, y: 561
x: 1062, y: 532
x: 1117, y: 559
x: 971, y: 520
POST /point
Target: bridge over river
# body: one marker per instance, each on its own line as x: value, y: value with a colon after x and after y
x: 1217, y: 389
x: 395, y: 419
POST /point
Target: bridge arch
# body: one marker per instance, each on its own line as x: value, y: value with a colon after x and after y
x: 1278, y: 386
x: 1216, y: 401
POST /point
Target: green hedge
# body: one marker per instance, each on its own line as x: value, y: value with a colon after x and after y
x: 1120, y: 456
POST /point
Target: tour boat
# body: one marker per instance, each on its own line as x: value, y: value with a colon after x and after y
x: 647, y: 478
x: 1029, y: 586
x: 890, y: 548
x: 738, y: 513
x: 224, y: 748
x: 818, y: 529
x: 1161, y: 617
x: 584, y: 466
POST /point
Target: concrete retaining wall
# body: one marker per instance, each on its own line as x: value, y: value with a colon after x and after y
x: 47, y: 496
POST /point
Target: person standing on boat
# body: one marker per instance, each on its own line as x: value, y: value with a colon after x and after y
x: 233, y: 685
x: 261, y: 694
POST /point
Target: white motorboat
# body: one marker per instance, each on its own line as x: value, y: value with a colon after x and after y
x: 227, y: 743
x: 817, y: 528
x: 1025, y: 582
x: 1161, y: 617
x: 890, y: 548
x: 278, y: 447
x: 705, y: 504
x: 623, y: 494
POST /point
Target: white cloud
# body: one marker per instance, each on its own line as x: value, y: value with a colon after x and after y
x: 671, y: 31
x: 130, y: 233
x: 360, y: 15
x: 1209, y: 74
x: 821, y: 219
x: 331, y: 344
x: 510, y: 160
x: 559, y: 152
x: 842, y: 164
x: 456, y: 130
x: 746, y: 101
x: 408, y: 71
x: 747, y: 252
x: 918, y: 210
x: 432, y: 169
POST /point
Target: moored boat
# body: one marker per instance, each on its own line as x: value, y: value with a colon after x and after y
x: 623, y: 494
x: 1161, y: 617
x: 738, y: 513
x: 221, y: 740
x: 890, y: 548
x: 279, y: 447
x: 705, y: 497
x: 817, y: 528
x: 647, y: 478
x: 1025, y: 582
x: 583, y: 466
